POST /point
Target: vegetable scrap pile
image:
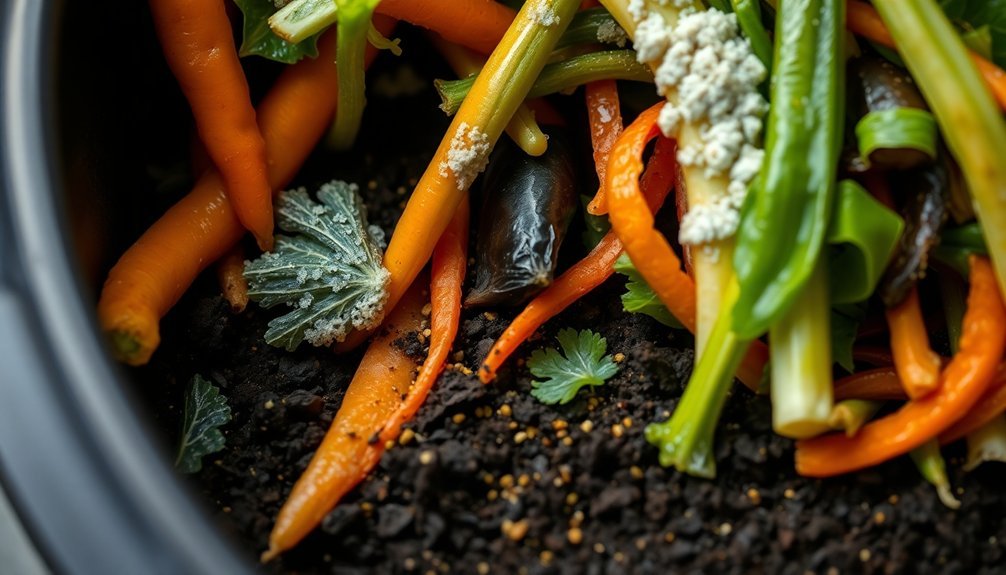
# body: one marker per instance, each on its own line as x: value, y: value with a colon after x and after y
x: 838, y: 223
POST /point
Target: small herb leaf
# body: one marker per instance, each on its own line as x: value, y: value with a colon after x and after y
x: 205, y: 412
x: 639, y: 297
x: 584, y: 364
x: 330, y: 273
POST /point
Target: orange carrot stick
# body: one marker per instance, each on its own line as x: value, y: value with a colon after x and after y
x: 962, y: 384
x: 917, y: 364
x: 632, y: 221
x: 150, y: 277
x: 477, y: 24
x: 586, y: 274
x: 347, y: 454
x: 989, y: 407
x: 450, y: 258
x: 880, y: 383
x: 198, y: 44
x: 604, y: 110
x: 863, y: 19
x: 231, y: 276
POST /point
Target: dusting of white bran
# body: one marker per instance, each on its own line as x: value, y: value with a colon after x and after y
x: 609, y: 32
x: 705, y: 61
x: 467, y: 156
x: 544, y: 15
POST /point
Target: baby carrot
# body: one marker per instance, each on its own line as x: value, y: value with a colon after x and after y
x: 154, y: 272
x: 962, y: 384
x: 198, y: 44
x: 584, y: 275
x: 346, y: 454
x: 230, y: 275
x: 918, y: 366
x: 989, y: 407
x: 604, y: 110
x: 464, y: 151
x: 863, y: 19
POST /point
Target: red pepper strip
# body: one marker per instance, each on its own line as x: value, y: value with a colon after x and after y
x: 605, y: 114
x: 450, y: 258
x: 586, y: 274
x: 989, y: 407
x: 962, y: 384
x: 917, y: 364
x: 878, y: 384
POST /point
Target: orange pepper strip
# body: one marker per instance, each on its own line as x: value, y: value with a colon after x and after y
x: 450, y: 259
x: 346, y: 454
x: 918, y: 366
x: 155, y: 271
x: 962, y: 384
x: 863, y: 19
x: 198, y: 44
x: 586, y: 274
x: 604, y: 110
x: 231, y: 276
x: 989, y: 407
x: 632, y: 221
x: 879, y: 384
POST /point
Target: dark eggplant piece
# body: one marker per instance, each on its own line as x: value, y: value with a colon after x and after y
x: 529, y: 203
x: 875, y: 85
x: 925, y: 211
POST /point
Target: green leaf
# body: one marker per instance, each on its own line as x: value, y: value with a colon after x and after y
x: 845, y: 320
x: 259, y: 39
x: 584, y: 364
x: 863, y: 234
x: 639, y: 297
x: 897, y: 128
x: 330, y: 273
x: 977, y: 14
x: 205, y: 412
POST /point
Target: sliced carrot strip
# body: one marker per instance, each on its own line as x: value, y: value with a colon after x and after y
x: 918, y: 366
x: 962, y: 384
x: 989, y: 407
x: 605, y: 113
x: 450, y: 260
x: 347, y: 453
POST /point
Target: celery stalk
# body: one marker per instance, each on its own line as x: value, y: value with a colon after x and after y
x: 987, y: 443
x: 301, y: 19
x: 802, y: 395
x: 353, y: 26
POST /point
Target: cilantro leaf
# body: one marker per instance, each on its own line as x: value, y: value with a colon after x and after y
x: 976, y: 14
x: 330, y: 273
x: 205, y: 412
x: 595, y: 227
x: 584, y: 364
x: 259, y: 39
x: 639, y: 297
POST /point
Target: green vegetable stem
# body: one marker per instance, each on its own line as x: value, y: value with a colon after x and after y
x: 786, y: 215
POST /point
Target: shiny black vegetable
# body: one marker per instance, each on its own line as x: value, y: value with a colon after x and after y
x: 925, y: 211
x: 528, y: 205
x: 876, y: 86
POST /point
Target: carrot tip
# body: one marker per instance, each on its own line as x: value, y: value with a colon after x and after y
x: 129, y: 348
x: 269, y: 554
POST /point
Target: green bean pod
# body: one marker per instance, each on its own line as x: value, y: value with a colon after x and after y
x: 785, y: 217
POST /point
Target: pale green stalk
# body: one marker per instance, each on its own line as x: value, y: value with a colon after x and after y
x: 851, y: 414
x: 301, y: 19
x: 987, y: 443
x: 933, y: 468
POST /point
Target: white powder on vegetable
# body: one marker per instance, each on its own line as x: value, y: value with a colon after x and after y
x: 711, y: 69
x: 467, y: 156
x: 544, y: 15
x: 609, y: 32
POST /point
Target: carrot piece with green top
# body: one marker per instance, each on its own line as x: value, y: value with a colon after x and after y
x: 450, y: 260
x: 464, y: 151
x: 198, y: 44
x: 346, y: 454
x: 918, y: 366
x: 962, y: 384
x: 156, y: 270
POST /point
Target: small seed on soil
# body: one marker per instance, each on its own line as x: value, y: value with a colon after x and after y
x: 427, y: 309
x: 641, y: 543
x: 789, y: 494
x: 482, y: 568
x: 669, y: 537
x: 559, y: 424
x: 587, y: 426
x: 426, y: 457
x: 489, y: 315
x: 409, y: 564
x: 567, y: 441
x: 627, y: 422
x: 520, y: 437
x: 619, y: 357
x: 599, y: 548
x: 270, y: 404
x: 459, y: 355
x: 572, y: 498
x: 617, y: 430
x: 406, y: 437
x: 515, y: 530
x: 575, y: 536
x: 505, y: 410
x: 524, y: 480
x: 458, y: 418
x: 864, y: 555
x: 879, y: 518
x: 389, y: 444
x: 493, y: 495
x: 506, y: 482
x: 619, y: 557
x: 725, y: 529
x: 512, y: 425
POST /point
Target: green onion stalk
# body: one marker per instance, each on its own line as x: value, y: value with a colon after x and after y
x: 350, y: 45
x: 970, y: 120
x: 559, y: 76
x: 933, y: 468
x: 851, y: 414
x: 987, y: 443
x: 897, y: 128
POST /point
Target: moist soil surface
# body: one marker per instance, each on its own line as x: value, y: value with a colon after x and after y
x: 492, y: 481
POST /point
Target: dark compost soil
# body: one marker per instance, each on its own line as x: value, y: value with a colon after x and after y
x: 495, y: 482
